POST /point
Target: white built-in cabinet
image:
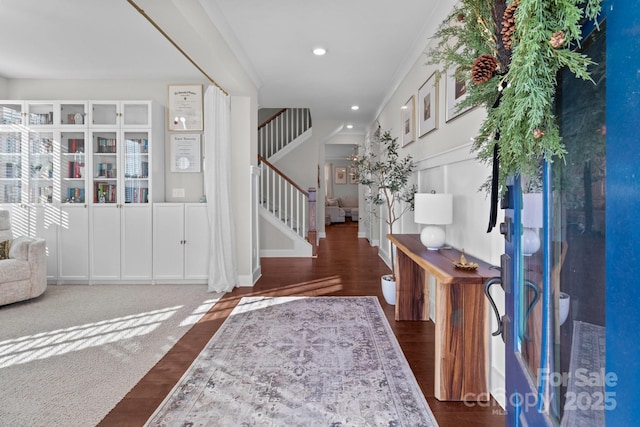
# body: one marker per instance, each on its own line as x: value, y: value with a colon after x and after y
x: 181, y: 242
x: 84, y: 175
x: 122, y: 161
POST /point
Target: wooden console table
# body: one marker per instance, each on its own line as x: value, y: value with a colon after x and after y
x: 461, y: 317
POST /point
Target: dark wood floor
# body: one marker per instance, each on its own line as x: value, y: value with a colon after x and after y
x: 345, y: 265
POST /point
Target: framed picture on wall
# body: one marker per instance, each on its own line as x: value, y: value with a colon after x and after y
x: 428, y: 106
x: 456, y: 93
x: 185, y: 108
x: 340, y: 175
x: 185, y: 152
x: 408, y: 127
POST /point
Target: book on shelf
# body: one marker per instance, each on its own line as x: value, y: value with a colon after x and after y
x: 41, y: 118
x: 137, y: 145
x: 105, y: 192
x: 11, y: 170
x: 75, y: 145
x: 136, y: 195
x: 75, y: 169
x: 75, y: 195
x: 105, y: 170
x: 105, y: 145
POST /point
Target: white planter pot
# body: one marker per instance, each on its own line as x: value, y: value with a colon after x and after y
x: 388, y: 289
x: 564, y: 302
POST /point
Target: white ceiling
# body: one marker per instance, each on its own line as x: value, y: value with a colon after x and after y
x: 371, y: 44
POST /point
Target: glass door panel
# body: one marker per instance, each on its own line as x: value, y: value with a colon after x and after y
x: 10, y: 167
x: 555, y: 316
x: 73, y: 166
x: 578, y: 235
x: 136, y: 114
x: 42, y: 167
x: 40, y: 114
x: 10, y: 114
x: 104, y: 114
x: 73, y: 113
x: 105, y: 166
x: 136, y: 167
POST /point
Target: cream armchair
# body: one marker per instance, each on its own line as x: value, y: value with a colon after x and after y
x: 23, y: 269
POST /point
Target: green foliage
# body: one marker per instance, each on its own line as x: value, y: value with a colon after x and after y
x: 525, y: 80
x: 387, y: 175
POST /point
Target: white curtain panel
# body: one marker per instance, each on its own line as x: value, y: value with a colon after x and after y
x: 223, y: 273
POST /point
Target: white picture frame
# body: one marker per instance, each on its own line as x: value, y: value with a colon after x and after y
x: 408, y: 119
x: 456, y: 90
x: 340, y: 175
x: 185, y: 153
x: 428, y: 106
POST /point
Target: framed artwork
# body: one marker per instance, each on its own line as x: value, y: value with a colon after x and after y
x: 456, y: 93
x: 353, y: 176
x: 185, y: 108
x: 340, y: 175
x: 185, y: 152
x: 428, y: 106
x: 408, y: 127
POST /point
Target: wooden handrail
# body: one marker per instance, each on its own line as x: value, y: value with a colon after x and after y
x: 270, y: 119
x: 285, y: 177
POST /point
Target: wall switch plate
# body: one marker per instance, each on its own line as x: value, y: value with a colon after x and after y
x: 178, y: 192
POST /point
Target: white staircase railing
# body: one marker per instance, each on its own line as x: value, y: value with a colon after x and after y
x: 282, y: 128
x: 292, y: 205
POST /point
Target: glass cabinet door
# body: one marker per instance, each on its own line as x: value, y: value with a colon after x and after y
x: 104, y: 113
x: 42, y: 167
x: 73, y: 113
x: 136, y: 167
x: 10, y: 166
x: 40, y: 114
x: 105, y: 167
x: 11, y: 113
x: 136, y: 114
x: 73, y: 166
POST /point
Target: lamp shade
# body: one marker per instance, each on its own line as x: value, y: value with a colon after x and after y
x: 433, y: 208
x: 532, y: 210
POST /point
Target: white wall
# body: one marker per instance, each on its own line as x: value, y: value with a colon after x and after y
x: 3, y: 88
x: 445, y: 164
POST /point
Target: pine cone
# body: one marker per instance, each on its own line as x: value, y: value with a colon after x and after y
x: 538, y: 133
x: 557, y: 39
x: 509, y: 24
x: 483, y: 68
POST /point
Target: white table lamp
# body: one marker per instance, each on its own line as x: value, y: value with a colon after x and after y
x: 435, y: 210
x: 531, y: 222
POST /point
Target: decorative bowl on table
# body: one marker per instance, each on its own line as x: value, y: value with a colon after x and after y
x: 463, y: 264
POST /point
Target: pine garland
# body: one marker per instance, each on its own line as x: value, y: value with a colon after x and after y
x: 540, y: 38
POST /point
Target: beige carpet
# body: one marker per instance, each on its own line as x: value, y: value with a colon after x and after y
x: 68, y: 357
x: 299, y: 361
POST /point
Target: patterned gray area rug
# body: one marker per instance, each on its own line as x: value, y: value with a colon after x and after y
x: 585, y: 404
x: 299, y: 361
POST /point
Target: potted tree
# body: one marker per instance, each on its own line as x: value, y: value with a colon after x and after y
x: 387, y: 176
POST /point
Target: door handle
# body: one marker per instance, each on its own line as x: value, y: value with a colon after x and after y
x: 536, y: 296
x: 488, y: 285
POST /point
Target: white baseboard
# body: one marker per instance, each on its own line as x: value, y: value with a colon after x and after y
x: 497, y: 382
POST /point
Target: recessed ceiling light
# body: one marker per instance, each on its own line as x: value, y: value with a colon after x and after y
x: 355, y: 107
x: 319, y: 51
x: 349, y: 126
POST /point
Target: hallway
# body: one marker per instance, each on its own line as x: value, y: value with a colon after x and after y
x: 345, y: 265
